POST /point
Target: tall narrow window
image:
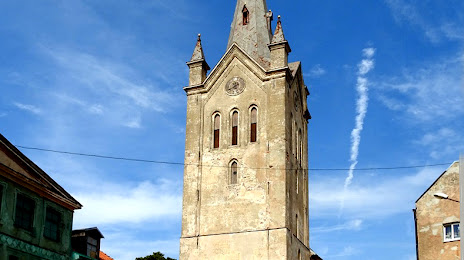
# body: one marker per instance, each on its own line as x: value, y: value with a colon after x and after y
x: 299, y: 254
x: 300, y: 146
x: 24, y: 216
x: 235, y: 128
x: 217, y: 127
x: 52, y: 224
x: 296, y: 221
x: 295, y: 140
x: 246, y: 15
x: 254, y: 124
x: 234, y: 173
x: 291, y: 132
x: 297, y: 181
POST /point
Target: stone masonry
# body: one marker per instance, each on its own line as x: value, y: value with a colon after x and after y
x: 246, y: 155
x: 433, y: 213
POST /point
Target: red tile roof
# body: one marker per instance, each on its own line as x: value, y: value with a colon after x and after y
x: 104, y: 256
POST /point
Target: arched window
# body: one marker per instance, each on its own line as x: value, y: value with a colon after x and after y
x: 246, y: 15
x: 254, y: 124
x: 217, y: 127
x: 299, y: 254
x: 235, y: 128
x: 234, y: 172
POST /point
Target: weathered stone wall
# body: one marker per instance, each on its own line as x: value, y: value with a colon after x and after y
x: 255, y: 218
x: 432, y: 213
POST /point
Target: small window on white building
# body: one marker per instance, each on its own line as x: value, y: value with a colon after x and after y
x: 451, y: 232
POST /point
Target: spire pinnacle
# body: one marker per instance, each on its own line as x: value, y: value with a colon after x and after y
x: 279, y: 33
x: 251, y: 29
x: 198, y: 54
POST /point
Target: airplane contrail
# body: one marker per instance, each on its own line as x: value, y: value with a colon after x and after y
x: 362, y: 88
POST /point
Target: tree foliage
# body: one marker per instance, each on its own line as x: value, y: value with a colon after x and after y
x: 154, y: 256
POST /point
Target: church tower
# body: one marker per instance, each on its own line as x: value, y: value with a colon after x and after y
x: 246, y: 155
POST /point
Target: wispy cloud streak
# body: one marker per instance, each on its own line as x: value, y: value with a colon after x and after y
x: 30, y: 108
x: 362, y: 88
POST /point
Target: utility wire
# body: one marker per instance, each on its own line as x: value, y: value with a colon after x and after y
x: 223, y: 166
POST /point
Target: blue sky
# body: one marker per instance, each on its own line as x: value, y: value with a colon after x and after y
x: 106, y: 77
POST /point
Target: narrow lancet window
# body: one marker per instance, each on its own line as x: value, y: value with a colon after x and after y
x: 254, y: 125
x: 217, y: 127
x: 291, y: 132
x: 296, y: 230
x: 246, y: 15
x: 235, y: 128
x: 300, y: 147
x: 233, y: 173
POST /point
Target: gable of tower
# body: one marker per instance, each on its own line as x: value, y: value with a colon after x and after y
x: 235, y: 63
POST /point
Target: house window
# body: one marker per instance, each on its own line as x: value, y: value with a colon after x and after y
x: 254, y: 124
x: 52, y: 223
x: 24, y: 216
x: 217, y: 127
x: 234, y: 172
x: 235, y: 128
x: 92, y: 247
x: 246, y: 15
x: 299, y: 254
x: 451, y: 232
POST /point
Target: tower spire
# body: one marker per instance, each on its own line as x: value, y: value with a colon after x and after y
x: 251, y: 29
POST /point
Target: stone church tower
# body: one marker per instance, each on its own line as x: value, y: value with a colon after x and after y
x: 246, y: 155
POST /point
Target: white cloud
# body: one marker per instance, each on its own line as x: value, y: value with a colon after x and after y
x: 449, y: 27
x: 29, y: 108
x: 3, y: 114
x: 316, y: 71
x: 100, y: 86
x: 347, y: 251
x: 134, y: 122
x: 121, y: 203
x: 96, y: 109
x: 370, y: 197
x: 428, y: 93
x: 442, y: 142
x: 111, y: 78
x: 353, y: 225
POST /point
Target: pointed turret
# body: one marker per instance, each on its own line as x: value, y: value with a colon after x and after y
x: 251, y: 29
x: 279, y: 48
x: 198, y: 66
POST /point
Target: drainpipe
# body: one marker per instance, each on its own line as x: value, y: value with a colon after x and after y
x: 461, y: 206
x: 415, y: 228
